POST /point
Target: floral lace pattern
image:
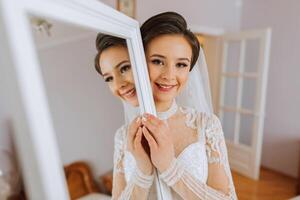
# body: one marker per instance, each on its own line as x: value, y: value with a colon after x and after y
x: 119, y: 149
x: 137, y: 178
x: 216, y: 148
x: 191, y: 166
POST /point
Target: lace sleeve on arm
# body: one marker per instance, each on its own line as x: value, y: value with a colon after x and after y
x: 139, y: 183
x: 119, y: 150
x: 186, y: 185
x: 216, y: 150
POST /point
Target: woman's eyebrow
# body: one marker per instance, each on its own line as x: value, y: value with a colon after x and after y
x: 121, y: 63
x: 184, y: 59
x: 157, y: 55
x: 161, y: 56
x: 118, y: 65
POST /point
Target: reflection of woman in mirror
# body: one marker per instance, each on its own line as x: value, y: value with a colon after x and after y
x: 187, y: 144
x: 112, y: 62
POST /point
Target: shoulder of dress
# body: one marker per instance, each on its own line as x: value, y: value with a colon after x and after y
x: 211, y: 119
x: 213, y: 127
x: 187, y: 110
x: 200, y: 118
x: 207, y: 118
x: 192, y: 117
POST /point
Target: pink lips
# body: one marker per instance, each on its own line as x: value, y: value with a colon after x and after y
x: 129, y: 93
x: 165, y: 87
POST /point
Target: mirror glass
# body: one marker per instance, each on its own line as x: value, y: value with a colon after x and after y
x: 85, y: 106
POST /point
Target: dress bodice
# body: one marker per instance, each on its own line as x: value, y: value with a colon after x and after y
x: 194, y: 159
x: 193, y: 156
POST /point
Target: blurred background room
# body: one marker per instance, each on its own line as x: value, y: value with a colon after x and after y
x: 251, y: 47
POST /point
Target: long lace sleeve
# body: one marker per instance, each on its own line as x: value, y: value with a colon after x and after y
x: 187, y: 186
x: 217, y: 153
x: 139, y: 183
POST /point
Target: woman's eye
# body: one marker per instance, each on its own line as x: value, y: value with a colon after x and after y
x: 181, y: 65
x: 157, y: 62
x: 125, y: 68
x: 108, y: 79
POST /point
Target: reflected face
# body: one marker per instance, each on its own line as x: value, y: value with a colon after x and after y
x: 116, y: 69
x: 169, y: 62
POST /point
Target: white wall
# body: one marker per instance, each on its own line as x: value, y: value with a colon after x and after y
x: 85, y: 114
x: 282, y: 127
x: 211, y: 13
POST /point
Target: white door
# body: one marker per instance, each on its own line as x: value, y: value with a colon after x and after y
x: 242, y: 97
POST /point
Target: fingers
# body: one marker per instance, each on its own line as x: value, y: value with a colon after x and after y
x: 138, y: 138
x: 135, y: 124
x: 133, y: 127
x: 132, y: 130
x: 155, y: 126
x: 151, y: 141
x: 152, y: 127
x: 151, y: 119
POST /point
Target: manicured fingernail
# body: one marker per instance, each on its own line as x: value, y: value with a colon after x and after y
x: 146, y: 115
x: 144, y: 118
x: 138, y: 120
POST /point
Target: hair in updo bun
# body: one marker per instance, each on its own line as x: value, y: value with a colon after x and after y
x: 169, y: 23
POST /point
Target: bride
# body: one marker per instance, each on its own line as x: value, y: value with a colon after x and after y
x: 186, y: 144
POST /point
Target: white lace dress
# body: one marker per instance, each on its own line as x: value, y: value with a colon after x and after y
x: 190, y: 168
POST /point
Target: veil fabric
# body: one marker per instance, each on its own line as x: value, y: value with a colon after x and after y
x: 196, y: 94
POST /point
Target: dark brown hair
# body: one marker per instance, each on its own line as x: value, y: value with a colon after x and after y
x: 103, y: 42
x: 170, y: 23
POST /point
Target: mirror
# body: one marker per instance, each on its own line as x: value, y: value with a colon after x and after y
x: 85, y: 112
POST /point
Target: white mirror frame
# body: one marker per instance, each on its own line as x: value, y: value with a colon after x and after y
x: 34, y: 132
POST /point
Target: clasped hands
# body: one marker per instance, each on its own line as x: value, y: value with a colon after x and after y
x: 160, y: 141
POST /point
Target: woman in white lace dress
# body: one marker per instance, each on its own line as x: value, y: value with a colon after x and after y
x: 186, y: 147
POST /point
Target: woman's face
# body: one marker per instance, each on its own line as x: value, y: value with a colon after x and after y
x: 116, y: 69
x: 169, y: 62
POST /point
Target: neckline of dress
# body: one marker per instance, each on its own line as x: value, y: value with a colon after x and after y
x: 168, y: 113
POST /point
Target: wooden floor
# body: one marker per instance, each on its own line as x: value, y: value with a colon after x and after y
x: 271, y: 186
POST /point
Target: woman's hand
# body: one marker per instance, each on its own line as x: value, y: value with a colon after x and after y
x: 160, y: 141
x: 134, y: 142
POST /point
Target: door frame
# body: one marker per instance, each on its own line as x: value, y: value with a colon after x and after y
x: 247, y: 159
